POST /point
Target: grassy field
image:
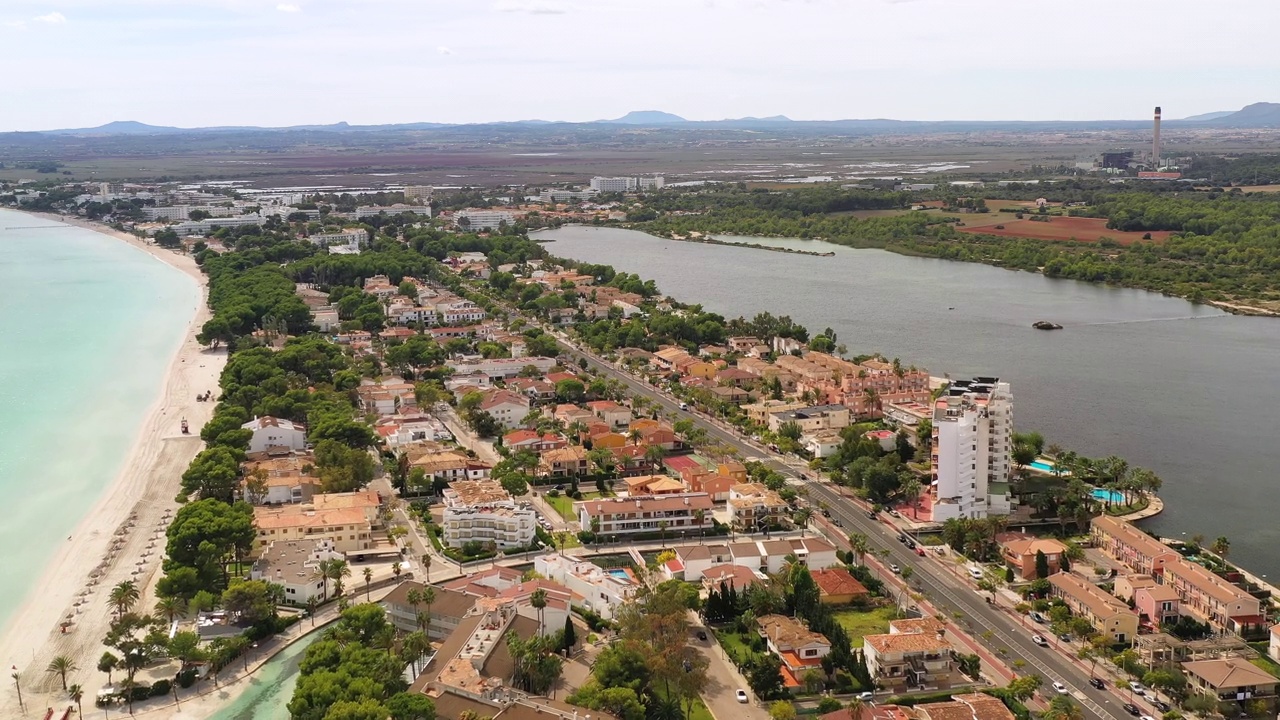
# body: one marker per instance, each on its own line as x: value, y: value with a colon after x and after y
x: 563, y: 505
x: 865, y: 622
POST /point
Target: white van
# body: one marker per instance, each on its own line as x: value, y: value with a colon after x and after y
x: 684, y: 406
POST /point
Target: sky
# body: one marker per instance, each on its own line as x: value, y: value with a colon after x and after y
x: 199, y: 63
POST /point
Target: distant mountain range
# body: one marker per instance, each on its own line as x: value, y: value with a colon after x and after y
x: 1257, y: 115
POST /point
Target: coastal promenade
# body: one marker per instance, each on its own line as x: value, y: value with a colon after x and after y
x: 122, y: 538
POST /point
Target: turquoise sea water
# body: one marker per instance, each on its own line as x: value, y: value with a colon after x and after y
x: 271, y: 687
x: 88, y: 326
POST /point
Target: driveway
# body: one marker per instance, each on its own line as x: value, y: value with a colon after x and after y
x: 723, y: 681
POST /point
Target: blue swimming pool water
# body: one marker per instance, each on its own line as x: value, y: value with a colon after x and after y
x: 619, y: 573
x: 1042, y: 467
x: 1106, y: 495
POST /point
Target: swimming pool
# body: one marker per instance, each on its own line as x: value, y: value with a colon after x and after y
x: 1110, y: 496
x: 620, y: 573
x: 1041, y: 466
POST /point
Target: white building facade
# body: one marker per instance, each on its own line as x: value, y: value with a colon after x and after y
x: 481, y: 511
x: 972, y: 448
x: 275, y: 432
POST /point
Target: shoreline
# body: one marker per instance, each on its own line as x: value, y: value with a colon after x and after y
x: 142, y: 493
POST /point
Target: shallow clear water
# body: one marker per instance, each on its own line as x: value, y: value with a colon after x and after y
x: 271, y: 686
x: 88, y: 326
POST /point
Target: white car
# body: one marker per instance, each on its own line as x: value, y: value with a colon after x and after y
x: 742, y: 695
x: 866, y: 696
x: 1060, y: 688
x: 1040, y: 640
x: 895, y: 569
x: 1136, y: 687
x: 975, y: 573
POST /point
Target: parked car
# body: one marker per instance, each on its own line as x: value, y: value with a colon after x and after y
x: 920, y: 551
x: 1162, y: 705
x: 1132, y: 709
x: 1065, y: 637
x: 1040, y: 640
x: 975, y: 573
x: 1038, y: 618
x: 1098, y: 683
x: 685, y: 406
x: 702, y: 635
x: 826, y: 513
x: 1060, y: 688
x: 871, y: 514
x: 894, y: 513
x: 902, y: 538
x: 741, y: 695
x: 836, y: 522
x: 1136, y: 686
x: 1146, y: 717
x: 866, y: 696
x: 911, y: 544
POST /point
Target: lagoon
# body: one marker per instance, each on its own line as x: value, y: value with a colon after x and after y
x: 1186, y: 390
x: 88, y: 327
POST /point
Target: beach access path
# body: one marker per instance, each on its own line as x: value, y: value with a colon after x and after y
x: 140, y: 498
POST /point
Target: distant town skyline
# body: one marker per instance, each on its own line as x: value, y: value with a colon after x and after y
x: 200, y: 63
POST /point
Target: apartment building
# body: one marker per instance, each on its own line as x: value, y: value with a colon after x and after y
x: 502, y: 368
x: 812, y: 419
x: 277, y: 477
x: 1109, y: 615
x: 293, y: 564
x: 875, y: 383
x: 972, y: 449
x: 270, y: 431
x: 754, y: 507
x: 913, y: 654
x: 626, y: 184
x: 1213, y: 599
x: 621, y: 517
x: 1125, y: 543
x: 482, y: 511
x: 348, y: 528
x: 446, y: 612
x: 1160, y: 604
x: 419, y: 193
x: 347, y: 236
x: 507, y: 407
x: 1232, y: 679
x: 482, y: 219
x: 450, y: 465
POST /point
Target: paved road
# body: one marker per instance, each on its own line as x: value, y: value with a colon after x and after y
x: 943, y: 589
x: 723, y: 681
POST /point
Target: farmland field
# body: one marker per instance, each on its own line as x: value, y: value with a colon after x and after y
x: 1064, y: 228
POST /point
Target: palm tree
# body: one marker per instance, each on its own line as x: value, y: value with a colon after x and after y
x: 911, y: 489
x: 802, y: 517
x: 313, y: 602
x: 413, y: 647
x: 426, y: 567
x: 635, y: 436
x: 338, y: 569
x: 662, y: 529
x: 653, y: 455
x: 76, y: 693
x: 860, y: 545
x: 855, y: 707
x: 171, y: 608
x: 538, y: 599
x: 1221, y: 547
x: 396, y: 569
x: 60, y: 666
x: 368, y: 578
x: 428, y: 596
x: 698, y: 517
x: 123, y: 597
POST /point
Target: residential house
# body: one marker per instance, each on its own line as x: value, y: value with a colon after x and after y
x: 601, y: 591
x: 654, y: 485
x: 443, y: 617
x: 730, y: 394
x: 742, y: 343
x: 402, y: 430
x: 1019, y: 552
x: 450, y: 465
x: 1126, y: 586
x: 567, y: 461
x: 728, y: 576
x: 823, y: 443
x: 837, y: 586
x: 275, y: 432
x: 538, y: 391
x: 736, y: 377
x: 610, y: 412
x: 754, y: 507
x: 970, y: 706
x: 279, y: 476
x: 1139, y: 552
x: 1231, y: 679
x: 507, y: 407
x: 696, y: 560
x: 1158, y: 603
x: 800, y: 648
x: 624, y: 517
x: 483, y: 511
x: 1213, y: 599
x: 519, y: 440
x: 349, y: 528
x: 913, y: 654
x: 1273, y: 643
x: 1109, y: 615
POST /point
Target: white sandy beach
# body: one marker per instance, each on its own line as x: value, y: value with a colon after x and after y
x: 144, y: 490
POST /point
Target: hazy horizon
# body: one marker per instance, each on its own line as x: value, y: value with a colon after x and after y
x: 311, y: 62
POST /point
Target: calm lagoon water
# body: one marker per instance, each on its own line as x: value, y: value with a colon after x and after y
x: 88, y: 326
x: 1186, y: 390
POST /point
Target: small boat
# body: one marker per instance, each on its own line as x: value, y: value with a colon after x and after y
x: 1045, y: 325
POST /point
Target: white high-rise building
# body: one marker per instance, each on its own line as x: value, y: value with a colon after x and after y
x: 972, y: 447
x: 626, y: 184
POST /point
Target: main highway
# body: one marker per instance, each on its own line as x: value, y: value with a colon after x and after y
x: 1002, y: 634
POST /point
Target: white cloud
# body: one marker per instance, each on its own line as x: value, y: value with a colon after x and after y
x: 288, y: 8
x: 531, y: 8
x: 52, y: 18
x: 444, y: 50
x: 16, y: 25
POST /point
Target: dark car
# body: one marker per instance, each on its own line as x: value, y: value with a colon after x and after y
x: 1164, y: 706
x: 836, y: 522
x: 702, y: 634
x: 1097, y: 682
x: 903, y: 539
x: 1132, y: 709
x: 826, y: 512
x: 871, y: 514
x: 911, y: 544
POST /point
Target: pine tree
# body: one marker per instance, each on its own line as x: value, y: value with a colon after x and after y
x: 570, y: 635
x: 1042, y: 565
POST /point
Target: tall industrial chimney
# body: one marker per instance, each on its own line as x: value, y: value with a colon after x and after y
x: 1155, y: 143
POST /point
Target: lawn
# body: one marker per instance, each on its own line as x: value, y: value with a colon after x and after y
x: 865, y: 622
x: 563, y: 505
